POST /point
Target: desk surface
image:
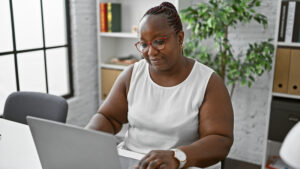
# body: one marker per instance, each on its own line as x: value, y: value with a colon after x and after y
x: 17, y: 149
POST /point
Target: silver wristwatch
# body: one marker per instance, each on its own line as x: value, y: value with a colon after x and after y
x: 180, y: 156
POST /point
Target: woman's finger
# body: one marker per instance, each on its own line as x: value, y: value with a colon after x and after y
x: 163, y: 166
x: 143, y: 164
x: 154, y: 164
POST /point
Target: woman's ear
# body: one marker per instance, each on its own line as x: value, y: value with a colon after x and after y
x: 180, y: 36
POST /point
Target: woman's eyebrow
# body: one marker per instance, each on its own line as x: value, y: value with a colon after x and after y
x: 141, y: 38
x: 158, y: 35
x: 161, y: 35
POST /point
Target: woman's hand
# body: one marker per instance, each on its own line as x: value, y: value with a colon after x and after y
x: 158, y: 159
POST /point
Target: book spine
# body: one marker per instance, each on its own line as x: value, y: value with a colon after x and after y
x: 109, y: 17
x: 282, y: 23
x: 116, y: 17
x: 296, y: 30
x: 103, y: 17
x: 290, y: 21
x: 299, y: 35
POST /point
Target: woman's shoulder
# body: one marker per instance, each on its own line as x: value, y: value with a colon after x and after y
x: 201, y: 71
x: 140, y: 64
x: 202, y: 67
x: 126, y: 75
x: 133, y: 67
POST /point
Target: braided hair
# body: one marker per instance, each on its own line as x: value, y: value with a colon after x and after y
x: 169, y: 10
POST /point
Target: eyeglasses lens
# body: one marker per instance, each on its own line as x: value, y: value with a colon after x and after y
x: 157, y: 44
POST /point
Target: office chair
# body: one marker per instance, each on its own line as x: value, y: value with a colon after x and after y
x: 18, y: 105
x: 223, y: 164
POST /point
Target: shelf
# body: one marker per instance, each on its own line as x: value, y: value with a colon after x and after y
x: 287, y: 44
x: 118, y: 34
x: 113, y: 66
x: 286, y: 95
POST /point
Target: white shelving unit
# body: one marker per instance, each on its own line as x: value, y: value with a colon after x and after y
x: 116, y: 44
x: 288, y: 44
x: 291, y: 96
x: 112, y: 66
x: 272, y: 147
x: 118, y: 35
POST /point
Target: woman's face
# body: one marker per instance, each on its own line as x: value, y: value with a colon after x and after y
x: 155, y: 32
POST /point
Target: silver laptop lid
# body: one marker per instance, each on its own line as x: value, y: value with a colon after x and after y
x: 62, y: 146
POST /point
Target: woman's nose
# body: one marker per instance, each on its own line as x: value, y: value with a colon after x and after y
x: 152, y: 51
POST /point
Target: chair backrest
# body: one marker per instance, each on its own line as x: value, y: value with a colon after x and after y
x: 21, y: 104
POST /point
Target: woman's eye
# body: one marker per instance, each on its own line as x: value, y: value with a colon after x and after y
x: 143, y: 45
x: 159, y: 42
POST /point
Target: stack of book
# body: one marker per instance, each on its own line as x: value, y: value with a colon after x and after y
x: 289, y: 24
x: 110, y: 17
x: 125, y: 60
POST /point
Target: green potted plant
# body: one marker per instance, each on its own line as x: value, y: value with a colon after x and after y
x: 211, y: 21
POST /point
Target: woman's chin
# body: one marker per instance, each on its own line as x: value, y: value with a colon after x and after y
x: 158, y: 65
x: 159, y: 68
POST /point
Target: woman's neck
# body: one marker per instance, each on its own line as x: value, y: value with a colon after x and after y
x: 175, y: 75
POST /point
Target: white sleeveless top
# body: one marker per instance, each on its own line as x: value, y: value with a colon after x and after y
x: 160, y: 117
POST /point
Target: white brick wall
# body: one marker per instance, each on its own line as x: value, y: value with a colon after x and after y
x: 85, y: 102
x: 250, y: 105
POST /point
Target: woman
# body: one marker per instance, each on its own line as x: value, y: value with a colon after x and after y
x: 179, y: 110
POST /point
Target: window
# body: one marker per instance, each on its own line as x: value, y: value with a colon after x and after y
x: 35, y: 47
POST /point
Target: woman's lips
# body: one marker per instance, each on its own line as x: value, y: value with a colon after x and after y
x: 156, y: 61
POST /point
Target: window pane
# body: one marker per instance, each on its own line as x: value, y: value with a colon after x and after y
x: 28, y: 24
x: 54, y: 22
x: 5, y: 30
x: 57, y: 68
x: 32, y: 71
x: 7, y: 78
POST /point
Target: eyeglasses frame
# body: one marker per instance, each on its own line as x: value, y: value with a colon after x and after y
x: 164, y: 37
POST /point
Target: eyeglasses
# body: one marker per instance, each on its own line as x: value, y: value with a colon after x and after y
x: 157, y: 44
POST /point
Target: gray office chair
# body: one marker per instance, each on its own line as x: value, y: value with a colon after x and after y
x: 223, y: 164
x: 18, y: 105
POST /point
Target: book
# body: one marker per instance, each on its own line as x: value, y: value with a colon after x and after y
x: 290, y: 21
x: 113, y: 17
x: 125, y: 60
x: 274, y: 162
x: 103, y: 17
x: 296, y: 30
x: 299, y: 35
x: 282, y: 22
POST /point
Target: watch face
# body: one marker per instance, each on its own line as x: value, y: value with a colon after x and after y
x: 180, y: 155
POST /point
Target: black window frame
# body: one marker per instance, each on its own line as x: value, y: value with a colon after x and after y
x: 44, y: 48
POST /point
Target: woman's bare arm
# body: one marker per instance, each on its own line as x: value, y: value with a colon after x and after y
x: 215, y: 127
x: 113, y: 112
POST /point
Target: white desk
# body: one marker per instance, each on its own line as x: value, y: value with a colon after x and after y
x: 17, y: 149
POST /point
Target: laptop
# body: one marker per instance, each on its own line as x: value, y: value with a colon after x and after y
x: 63, y: 146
